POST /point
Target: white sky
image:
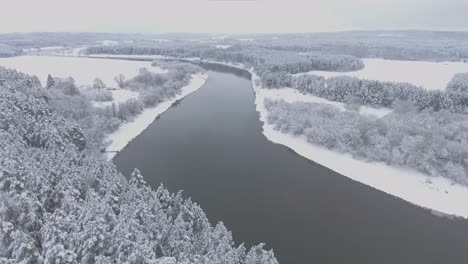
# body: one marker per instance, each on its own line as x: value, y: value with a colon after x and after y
x: 230, y: 16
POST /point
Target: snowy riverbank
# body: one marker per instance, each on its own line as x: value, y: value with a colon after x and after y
x: 128, y: 131
x: 437, y: 194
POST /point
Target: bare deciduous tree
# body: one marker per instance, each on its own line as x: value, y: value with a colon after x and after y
x: 121, y: 81
x: 98, y: 84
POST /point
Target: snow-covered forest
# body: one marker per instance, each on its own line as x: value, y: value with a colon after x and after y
x: 404, y: 138
x: 278, y: 68
x: 277, y: 63
x: 434, y: 118
x: 61, y: 203
x: 453, y: 98
x: 98, y: 113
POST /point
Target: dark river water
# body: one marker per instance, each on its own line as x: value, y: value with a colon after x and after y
x: 211, y: 146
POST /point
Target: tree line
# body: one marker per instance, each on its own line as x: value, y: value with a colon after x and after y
x: 375, y: 93
x: 260, y: 59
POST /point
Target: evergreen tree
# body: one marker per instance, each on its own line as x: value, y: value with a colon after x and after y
x: 50, y: 81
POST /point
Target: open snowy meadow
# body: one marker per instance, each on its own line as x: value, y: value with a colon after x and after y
x: 429, y: 75
x: 83, y: 70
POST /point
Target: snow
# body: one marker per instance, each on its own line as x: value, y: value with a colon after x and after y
x: 118, y: 96
x: 161, y: 40
x: 435, y: 193
x: 141, y: 57
x: 222, y: 46
x: 291, y: 95
x: 83, y: 70
x: 30, y: 50
x: 390, y: 35
x: 76, y: 52
x: 429, y: 75
x: 44, y: 50
x: 51, y: 48
x: 221, y: 37
x: 109, y: 42
x: 56, y: 51
x: 128, y: 131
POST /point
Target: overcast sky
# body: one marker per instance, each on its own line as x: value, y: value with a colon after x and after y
x: 230, y: 16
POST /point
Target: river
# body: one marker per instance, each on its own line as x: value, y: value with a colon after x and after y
x: 211, y: 145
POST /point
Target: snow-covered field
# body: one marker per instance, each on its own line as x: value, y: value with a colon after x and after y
x: 109, y: 42
x: 430, y: 75
x: 128, y: 131
x: 438, y: 194
x: 141, y: 57
x: 83, y: 70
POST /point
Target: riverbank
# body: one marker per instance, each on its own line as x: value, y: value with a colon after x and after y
x: 440, y: 195
x: 437, y: 194
x: 128, y: 131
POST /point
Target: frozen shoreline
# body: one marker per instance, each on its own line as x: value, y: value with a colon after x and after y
x: 438, y: 194
x: 128, y: 131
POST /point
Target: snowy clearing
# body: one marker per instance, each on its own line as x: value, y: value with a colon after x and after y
x: 222, y: 46
x: 74, y: 52
x: 438, y: 194
x: 140, y: 57
x: 128, y: 131
x: 83, y: 70
x: 109, y: 42
x: 51, y: 48
x: 291, y: 95
x: 118, y: 96
x: 162, y: 40
x: 429, y: 75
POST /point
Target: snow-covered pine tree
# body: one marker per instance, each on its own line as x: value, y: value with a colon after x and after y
x: 50, y: 81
